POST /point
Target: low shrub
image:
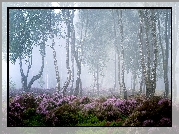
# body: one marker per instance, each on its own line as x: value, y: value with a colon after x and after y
x: 17, y: 106
x: 31, y: 118
x: 56, y: 110
x: 153, y: 112
x: 66, y: 115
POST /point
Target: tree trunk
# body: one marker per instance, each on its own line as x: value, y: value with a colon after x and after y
x: 165, y: 53
x: 78, y: 81
x: 148, y: 71
x: 122, y: 53
x: 148, y: 19
x: 144, y: 74
x: 144, y: 88
x: 119, y: 73
x: 142, y: 84
x: 56, y: 65
x: 116, y: 49
x: 155, y: 45
x: 134, y: 82
x: 26, y: 87
x: 167, y: 30
x: 97, y: 79
x: 66, y: 84
x: 115, y: 73
x: 72, y: 57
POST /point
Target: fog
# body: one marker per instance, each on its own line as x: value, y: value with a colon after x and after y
x: 106, y: 81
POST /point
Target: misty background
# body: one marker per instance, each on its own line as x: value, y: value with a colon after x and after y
x: 49, y: 79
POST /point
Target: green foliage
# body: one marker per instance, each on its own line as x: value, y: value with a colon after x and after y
x: 115, y: 124
x: 32, y: 118
x: 28, y: 28
x: 90, y: 120
x: 67, y: 115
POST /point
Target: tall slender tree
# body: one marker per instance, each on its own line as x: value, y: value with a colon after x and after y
x: 27, y: 28
x: 119, y: 13
x: 148, y: 30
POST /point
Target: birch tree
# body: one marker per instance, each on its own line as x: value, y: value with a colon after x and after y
x: 147, y: 29
x: 119, y: 13
x: 27, y: 28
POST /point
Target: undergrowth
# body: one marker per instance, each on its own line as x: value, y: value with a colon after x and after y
x: 55, y: 110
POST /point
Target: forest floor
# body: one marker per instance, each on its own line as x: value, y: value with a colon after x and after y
x: 44, y: 109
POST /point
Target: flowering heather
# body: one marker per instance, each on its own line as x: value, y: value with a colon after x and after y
x: 51, y: 102
x: 15, y: 113
x: 165, y: 122
x: 89, y: 108
x: 126, y: 107
x: 57, y: 110
x: 148, y: 123
x: 85, y: 100
x: 164, y: 100
x: 151, y: 113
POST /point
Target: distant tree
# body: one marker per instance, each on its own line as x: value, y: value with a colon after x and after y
x: 131, y: 55
x: 98, y: 37
x: 117, y: 55
x: 165, y: 48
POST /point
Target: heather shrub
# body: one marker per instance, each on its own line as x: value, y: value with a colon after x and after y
x: 90, y: 120
x: 76, y: 102
x: 17, y: 106
x: 153, y: 112
x: 85, y: 100
x: 45, y: 104
x: 66, y: 115
x: 90, y: 108
x: 126, y: 107
x: 56, y: 110
x: 101, y: 99
x: 15, y: 114
x: 31, y: 118
x: 26, y: 100
x: 48, y: 104
x: 109, y: 111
